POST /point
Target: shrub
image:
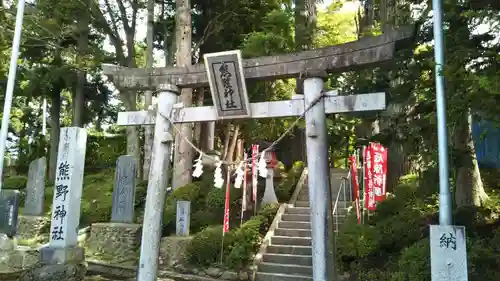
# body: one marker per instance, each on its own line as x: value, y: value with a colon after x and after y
x: 15, y: 182
x: 189, y: 192
x: 285, y: 188
x: 246, y: 240
x: 97, y: 197
x: 240, y: 244
x: 414, y: 262
x: 205, y: 247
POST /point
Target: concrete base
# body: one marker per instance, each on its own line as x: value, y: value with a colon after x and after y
x: 57, y: 264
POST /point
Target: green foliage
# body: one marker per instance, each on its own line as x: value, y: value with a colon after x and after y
x: 285, y: 188
x: 240, y: 244
x: 393, y: 244
x: 103, y: 151
x: 15, y: 182
x: 97, y: 200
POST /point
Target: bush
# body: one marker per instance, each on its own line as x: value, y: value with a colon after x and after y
x: 15, y: 182
x: 285, y: 188
x: 205, y: 247
x: 414, y: 262
x: 393, y: 244
x: 240, y: 244
x: 189, y: 192
x: 97, y: 194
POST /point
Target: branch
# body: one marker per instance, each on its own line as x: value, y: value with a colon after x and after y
x: 112, y: 16
x: 114, y: 37
x: 209, y: 30
x: 123, y: 13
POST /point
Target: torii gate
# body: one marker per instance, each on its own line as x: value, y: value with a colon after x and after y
x: 311, y: 65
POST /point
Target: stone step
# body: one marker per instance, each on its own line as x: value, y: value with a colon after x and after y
x: 288, y: 259
x: 268, y: 267
x: 261, y: 276
x: 296, y: 217
x: 303, y: 197
x: 290, y: 250
x: 294, y: 225
x: 290, y: 232
x: 302, y: 203
x: 284, y: 240
x: 298, y: 210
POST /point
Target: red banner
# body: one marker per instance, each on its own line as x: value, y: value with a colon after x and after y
x: 226, y: 206
x: 355, y: 184
x: 244, y: 196
x: 255, y: 152
x: 370, y: 202
x: 379, y: 170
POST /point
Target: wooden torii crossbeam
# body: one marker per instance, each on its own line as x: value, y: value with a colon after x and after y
x: 338, y: 58
x: 310, y: 65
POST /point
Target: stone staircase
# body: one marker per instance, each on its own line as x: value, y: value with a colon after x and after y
x: 288, y: 257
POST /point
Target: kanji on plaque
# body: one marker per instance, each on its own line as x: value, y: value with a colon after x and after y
x: 379, y: 170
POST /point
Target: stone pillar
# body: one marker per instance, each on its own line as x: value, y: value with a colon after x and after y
x: 33, y: 221
x: 318, y: 179
x: 63, y: 259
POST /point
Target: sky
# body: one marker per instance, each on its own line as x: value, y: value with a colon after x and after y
x: 159, y: 55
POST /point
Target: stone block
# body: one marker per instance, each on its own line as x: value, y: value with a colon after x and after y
x: 173, y: 251
x: 52, y: 255
x: 55, y: 272
x: 30, y: 227
x: 115, y: 243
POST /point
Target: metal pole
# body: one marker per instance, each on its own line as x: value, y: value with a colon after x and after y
x: 44, y: 117
x: 319, y: 179
x: 157, y: 185
x: 444, y: 188
x: 11, y: 81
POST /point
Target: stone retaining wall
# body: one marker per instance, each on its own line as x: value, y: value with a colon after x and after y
x: 116, y: 243
x: 31, y: 227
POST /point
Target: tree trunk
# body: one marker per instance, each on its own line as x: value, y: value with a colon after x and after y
x: 183, y: 160
x: 55, y: 112
x: 197, y: 135
x: 469, y: 188
x: 232, y: 146
x: 148, y: 95
x: 133, y: 141
x: 79, y: 94
x: 227, y: 139
x: 305, y: 27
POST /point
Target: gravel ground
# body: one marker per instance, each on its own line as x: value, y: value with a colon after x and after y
x: 100, y: 278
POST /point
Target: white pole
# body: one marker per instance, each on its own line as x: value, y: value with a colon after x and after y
x: 10, y: 83
x: 319, y: 178
x: 44, y: 117
x: 157, y: 185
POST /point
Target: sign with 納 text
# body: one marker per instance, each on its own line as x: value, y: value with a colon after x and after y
x: 227, y: 84
x: 448, y: 253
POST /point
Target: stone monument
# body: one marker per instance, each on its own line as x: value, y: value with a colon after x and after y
x: 124, y: 190
x: 119, y: 240
x: 183, y: 215
x: 63, y: 259
x: 33, y: 221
